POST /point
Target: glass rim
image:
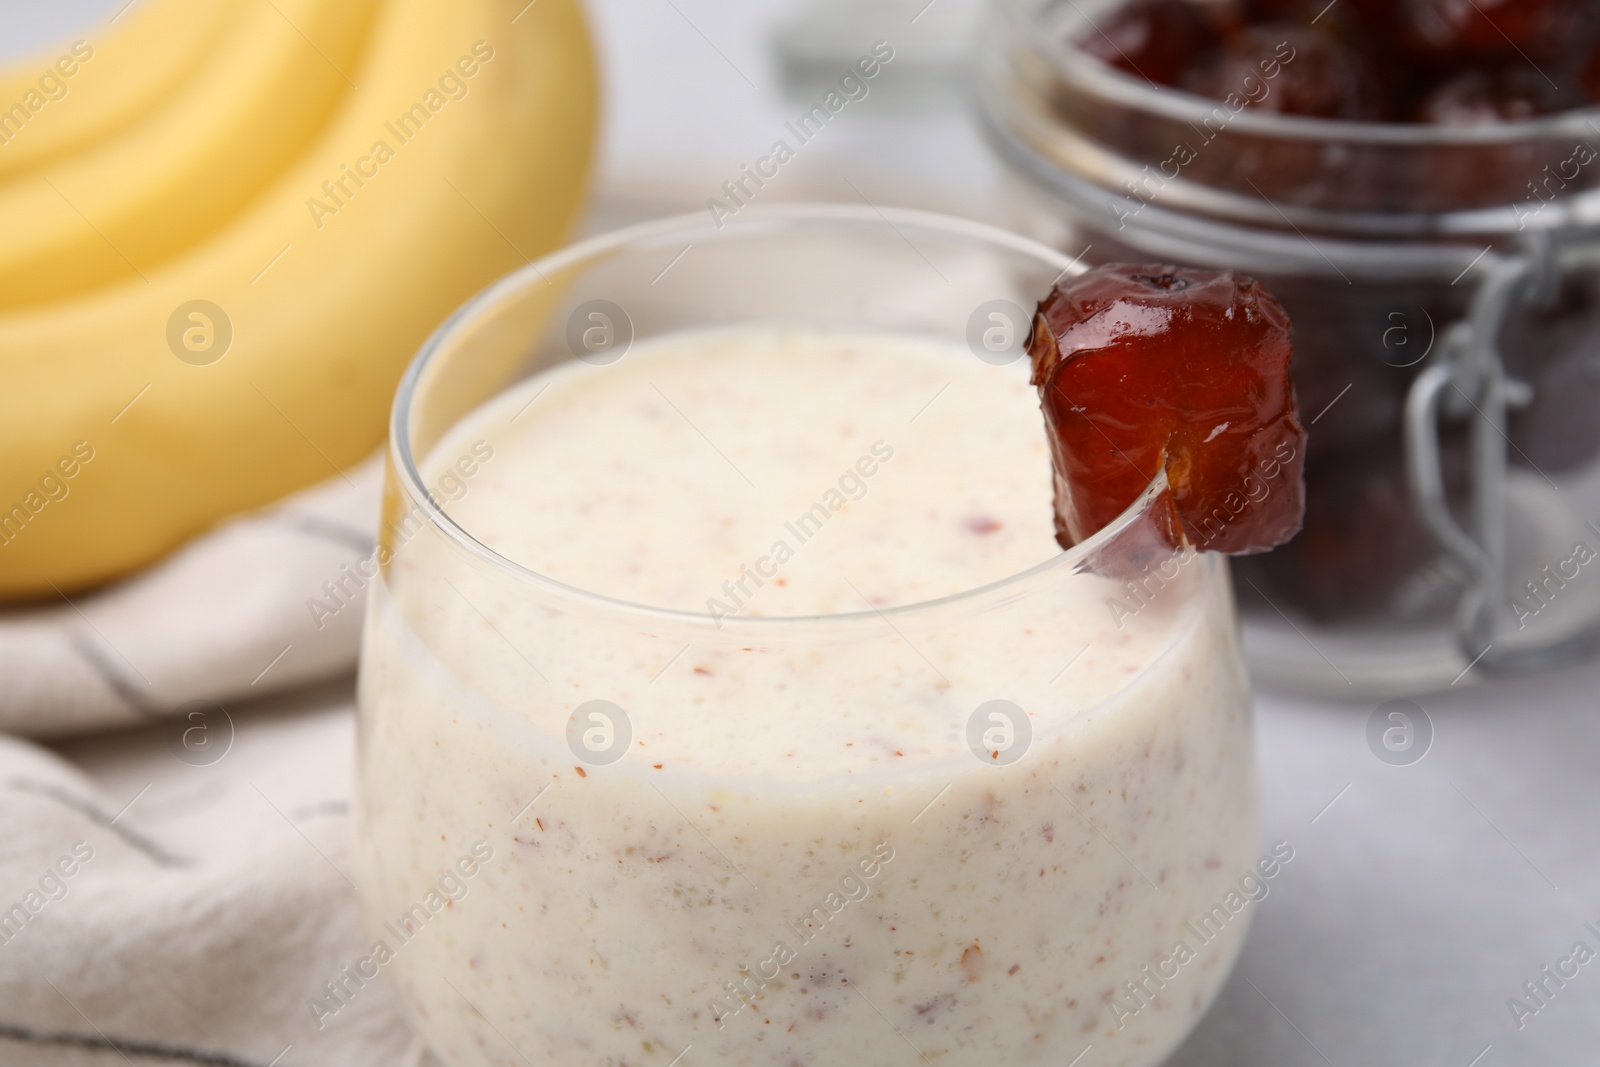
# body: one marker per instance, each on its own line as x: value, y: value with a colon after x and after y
x: 775, y: 218
x: 1107, y: 83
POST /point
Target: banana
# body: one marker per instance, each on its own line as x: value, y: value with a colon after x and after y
x: 464, y: 152
x: 64, y: 98
x: 121, y: 208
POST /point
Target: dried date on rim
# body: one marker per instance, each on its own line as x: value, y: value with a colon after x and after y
x: 1142, y: 369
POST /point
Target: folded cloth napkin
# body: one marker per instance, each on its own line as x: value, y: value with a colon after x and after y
x: 193, y: 901
x: 262, y: 604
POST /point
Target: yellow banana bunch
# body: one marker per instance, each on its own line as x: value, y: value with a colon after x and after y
x: 250, y: 109
x: 262, y: 355
x: 97, y: 84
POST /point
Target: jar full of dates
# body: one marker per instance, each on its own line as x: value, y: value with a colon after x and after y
x: 1418, y: 182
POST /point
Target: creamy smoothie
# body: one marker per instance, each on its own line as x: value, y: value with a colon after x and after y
x: 775, y: 801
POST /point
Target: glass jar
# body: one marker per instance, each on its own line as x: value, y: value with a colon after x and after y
x: 1070, y: 798
x: 1440, y: 270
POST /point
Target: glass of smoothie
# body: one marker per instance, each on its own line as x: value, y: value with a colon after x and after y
x: 726, y: 698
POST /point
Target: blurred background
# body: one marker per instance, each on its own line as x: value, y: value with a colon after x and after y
x: 693, y: 90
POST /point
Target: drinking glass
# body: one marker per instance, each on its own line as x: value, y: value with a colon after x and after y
x: 999, y: 827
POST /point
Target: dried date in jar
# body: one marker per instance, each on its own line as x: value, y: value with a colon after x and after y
x: 1358, y: 348
x: 1157, y: 40
x: 1362, y: 552
x: 1554, y: 32
x: 1291, y: 70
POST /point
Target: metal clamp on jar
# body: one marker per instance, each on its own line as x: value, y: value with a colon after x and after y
x: 1444, y: 282
x: 1469, y: 377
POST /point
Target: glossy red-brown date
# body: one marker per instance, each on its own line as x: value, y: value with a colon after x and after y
x: 1368, y: 15
x: 1144, y: 369
x: 1290, y: 69
x: 1465, y: 31
x: 1153, y: 39
x: 1483, y: 98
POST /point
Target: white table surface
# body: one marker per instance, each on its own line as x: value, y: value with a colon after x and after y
x: 1418, y: 902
